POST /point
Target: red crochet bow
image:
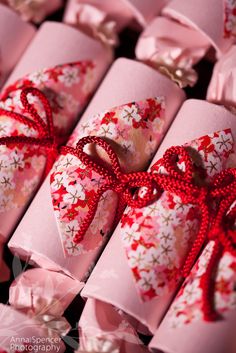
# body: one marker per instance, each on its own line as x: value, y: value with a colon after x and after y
x: 46, y: 132
x: 221, y: 193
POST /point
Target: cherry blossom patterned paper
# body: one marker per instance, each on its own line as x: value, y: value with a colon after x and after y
x: 135, y: 130
x: 187, y: 306
x: 158, y: 237
x: 67, y: 87
x: 230, y: 18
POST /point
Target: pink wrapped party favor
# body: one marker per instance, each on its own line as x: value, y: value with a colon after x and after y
x: 173, y: 49
x: 214, y: 19
x: 104, y: 19
x: 222, y: 86
x: 103, y: 328
x: 33, y: 10
x: 145, y: 104
x: 34, y: 320
x: 65, y: 80
x: 15, y: 35
x: 150, y: 245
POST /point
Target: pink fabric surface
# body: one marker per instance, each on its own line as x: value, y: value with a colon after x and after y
x: 38, y: 299
x: 207, y: 17
x: 172, y: 48
x: 33, y: 10
x: 127, y: 81
x: 221, y: 89
x: 38, y: 291
x: 120, y: 12
x: 217, y: 337
x: 111, y: 280
x: 15, y: 35
x: 18, y: 331
x: 39, y: 60
x: 46, y: 51
x: 102, y: 328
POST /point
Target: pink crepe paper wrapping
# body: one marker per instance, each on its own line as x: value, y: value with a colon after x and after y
x: 221, y: 89
x: 33, y: 10
x: 114, y: 282
x: 215, y: 19
x: 38, y: 299
x: 104, y: 19
x: 103, y: 328
x: 127, y: 81
x: 173, y: 49
x: 68, y: 78
x: 15, y: 35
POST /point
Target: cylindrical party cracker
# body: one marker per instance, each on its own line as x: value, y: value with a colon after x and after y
x: 35, y: 315
x: 173, y: 49
x: 67, y: 78
x: 221, y: 89
x: 218, y: 28
x: 105, y: 17
x: 45, y: 51
x: 103, y: 328
x: 154, y: 97
x: 141, y: 281
x: 15, y: 35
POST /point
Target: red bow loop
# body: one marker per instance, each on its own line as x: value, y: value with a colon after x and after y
x: 124, y: 184
x: 224, y: 184
x: 46, y: 131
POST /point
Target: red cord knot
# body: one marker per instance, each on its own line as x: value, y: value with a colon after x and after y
x: 124, y: 184
x: 43, y: 126
x: 217, y: 220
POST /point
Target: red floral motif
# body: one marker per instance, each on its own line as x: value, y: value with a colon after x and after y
x: 230, y: 18
x: 187, y: 306
x: 130, y: 127
x: 67, y: 87
x: 157, y: 238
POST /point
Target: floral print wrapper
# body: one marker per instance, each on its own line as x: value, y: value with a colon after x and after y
x: 15, y: 36
x: 134, y: 130
x: 184, y: 321
x: 150, y: 244
x: 218, y: 28
x: 68, y: 87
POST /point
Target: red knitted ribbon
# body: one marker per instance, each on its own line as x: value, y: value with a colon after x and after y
x: 46, y: 133
x: 221, y: 191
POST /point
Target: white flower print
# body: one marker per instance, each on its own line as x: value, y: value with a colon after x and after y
x: 74, y: 193
x: 192, y: 292
x: 130, y: 113
x: 30, y: 185
x: 7, y: 104
x: 6, y: 127
x: 39, y: 77
x: 136, y: 257
x: 108, y: 130
x: 16, y: 160
x: 59, y: 180
x: 70, y: 76
x: 38, y: 163
x: 6, y: 203
x: 6, y: 181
